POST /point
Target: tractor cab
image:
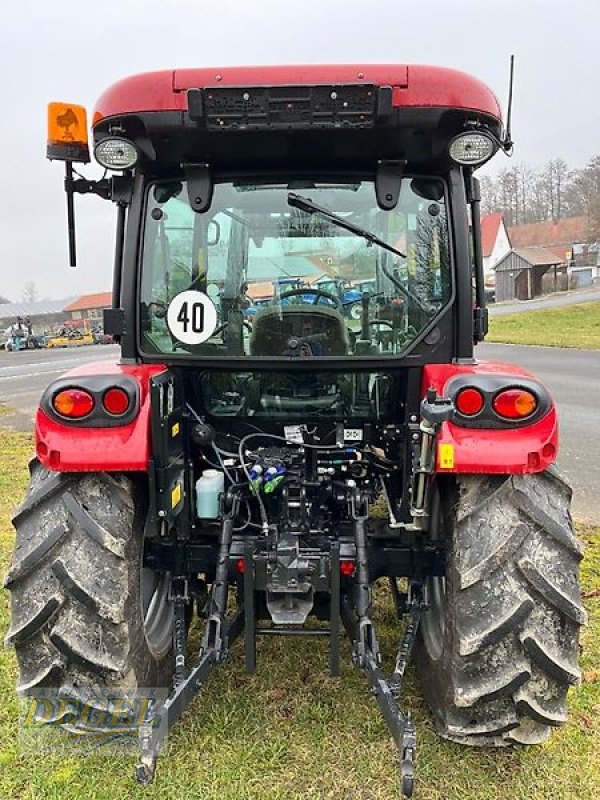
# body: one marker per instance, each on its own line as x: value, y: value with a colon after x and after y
x: 247, y: 177
x: 274, y: 184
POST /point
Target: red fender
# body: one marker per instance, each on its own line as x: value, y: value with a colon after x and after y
x: 67, y: 448
x: 527, y: 449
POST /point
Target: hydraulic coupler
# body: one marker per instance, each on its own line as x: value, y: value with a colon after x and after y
x: 434, y: 411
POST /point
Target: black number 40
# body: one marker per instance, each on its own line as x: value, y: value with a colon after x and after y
x: 195, y: 320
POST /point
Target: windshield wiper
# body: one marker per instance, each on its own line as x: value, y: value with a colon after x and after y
x: 304, y: 204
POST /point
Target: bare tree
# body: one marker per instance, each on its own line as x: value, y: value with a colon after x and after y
x: 525, y: 194
x: 30, y: 292
x: 554, y: 180
x: 490, y: 197
x: 586, y: 188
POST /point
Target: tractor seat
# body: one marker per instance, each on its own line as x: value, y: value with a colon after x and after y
x: 303, y: 330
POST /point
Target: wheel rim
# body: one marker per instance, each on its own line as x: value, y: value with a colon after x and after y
x: 156, y: 609
x: 433, y: 625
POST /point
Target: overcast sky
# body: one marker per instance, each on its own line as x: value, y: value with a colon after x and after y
x: 65, y: 50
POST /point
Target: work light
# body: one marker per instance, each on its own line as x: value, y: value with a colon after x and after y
x: 116, y: 153
x: 472, y: 148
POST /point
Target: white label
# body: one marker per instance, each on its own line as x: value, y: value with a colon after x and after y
x: 353, y: 434
x: 293, y: 433
x: 192, y: 317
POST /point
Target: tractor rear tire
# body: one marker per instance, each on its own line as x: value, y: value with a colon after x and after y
x: 78, y: 588
x: 498, y: 647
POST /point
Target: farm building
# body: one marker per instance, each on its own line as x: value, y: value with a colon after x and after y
x: 519, y: 275
x: 495, y: 243
x: 90, y: 306
x: 42, y: 314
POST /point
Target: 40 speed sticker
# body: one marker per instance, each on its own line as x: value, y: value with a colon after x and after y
x: 192, y: 317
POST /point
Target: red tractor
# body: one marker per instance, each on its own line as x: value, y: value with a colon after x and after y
x: 228, y: 468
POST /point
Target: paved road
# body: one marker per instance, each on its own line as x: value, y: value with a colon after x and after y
x: 573, y: 377
x: 548, y: 301
x: 25, y: 375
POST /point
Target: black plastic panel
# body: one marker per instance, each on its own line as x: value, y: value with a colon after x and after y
x: 288, y: 107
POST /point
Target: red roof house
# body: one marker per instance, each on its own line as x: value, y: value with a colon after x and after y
x: 559, y: 235
x: 495, y: 243
x: 89, y: 306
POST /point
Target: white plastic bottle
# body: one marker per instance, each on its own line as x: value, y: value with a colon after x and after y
x: 208, y: 488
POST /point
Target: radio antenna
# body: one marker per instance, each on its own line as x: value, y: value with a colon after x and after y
x: 507, y: 144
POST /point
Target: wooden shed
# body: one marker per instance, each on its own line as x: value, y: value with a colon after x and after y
x: 519, y: 274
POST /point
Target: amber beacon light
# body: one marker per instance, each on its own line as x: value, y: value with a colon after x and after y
x: 67, y: 133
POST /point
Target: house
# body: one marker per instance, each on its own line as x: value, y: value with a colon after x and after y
x: 495, y: 243
x: 520, y: 273
x: 555, y: 233
x: 90, y: 306
x: 570, y: 240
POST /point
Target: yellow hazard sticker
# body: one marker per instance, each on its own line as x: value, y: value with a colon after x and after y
x: 175, y: 430
x: 175, y: 495
x: 446, y: 456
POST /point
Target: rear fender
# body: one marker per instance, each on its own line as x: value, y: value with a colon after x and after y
x: 66, y: 446
x: 525, y: 448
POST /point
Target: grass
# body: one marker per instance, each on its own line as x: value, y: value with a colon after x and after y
x: 571, y: 326
x: 290, y: 731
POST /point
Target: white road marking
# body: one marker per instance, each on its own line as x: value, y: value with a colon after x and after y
x: 28, y: 375
x: 62, y: 363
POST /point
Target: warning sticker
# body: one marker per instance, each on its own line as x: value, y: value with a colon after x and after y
x: 353, y: 434
x: 294, y: 434
x: 446, y: 456
x: 175, y: 495
x: 192, y: 317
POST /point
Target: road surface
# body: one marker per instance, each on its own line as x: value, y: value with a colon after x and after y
x: 573, y: 377
x: 25, y: 375
x: 548, y: 301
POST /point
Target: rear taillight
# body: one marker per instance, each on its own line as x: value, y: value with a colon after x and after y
x: 73, y: 403
x: 515, y: 404
x: 469, y: 402
x: 116, y: 401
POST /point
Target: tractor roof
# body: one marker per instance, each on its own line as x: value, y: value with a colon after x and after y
x: 334, y: 117
x: 412, y: 86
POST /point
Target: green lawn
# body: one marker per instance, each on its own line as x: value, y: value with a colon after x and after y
x: 571, y: 326
x: 290, y: 731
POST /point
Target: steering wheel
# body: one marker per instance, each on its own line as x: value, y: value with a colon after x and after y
x: 316, y: 292
x: 224, y: 325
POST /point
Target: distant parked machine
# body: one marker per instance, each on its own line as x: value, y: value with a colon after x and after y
x: 21, y: 337
x: 70, y: 335
x: 24, y: 341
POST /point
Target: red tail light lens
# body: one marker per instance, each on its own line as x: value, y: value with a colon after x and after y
x: 115, y: 401
x: 469, y: 402
x: 515, y: 404
x: 73, y: 403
